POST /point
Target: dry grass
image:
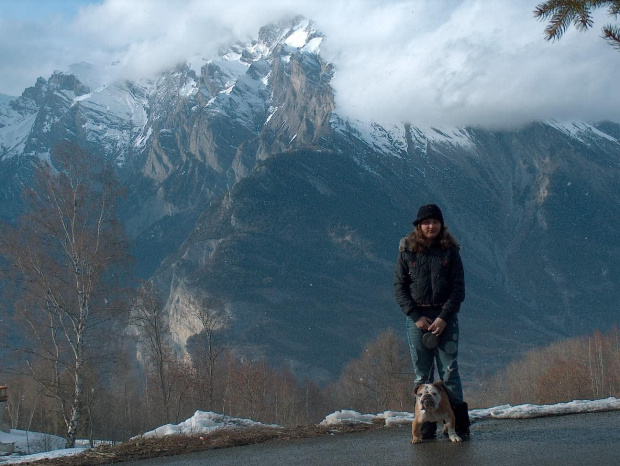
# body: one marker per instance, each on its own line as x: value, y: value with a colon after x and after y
x: 180, y: 444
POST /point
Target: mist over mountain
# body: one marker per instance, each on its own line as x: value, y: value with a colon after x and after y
x: 246, y: 188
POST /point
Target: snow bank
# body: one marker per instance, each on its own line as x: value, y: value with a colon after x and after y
x: 41, y: 456
x: 349, y: 417
x: 203, y: 422
x: 31, y: 442
x: 499, y: 412
x: 32, y: 446
x: 530, y: 411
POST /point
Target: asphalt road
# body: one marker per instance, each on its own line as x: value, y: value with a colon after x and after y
x: 592, y: 439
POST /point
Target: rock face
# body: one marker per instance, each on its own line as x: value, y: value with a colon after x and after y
x: 303, y: 250
x: 248, y: 190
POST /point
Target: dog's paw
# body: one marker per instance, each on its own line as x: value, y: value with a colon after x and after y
x: 416, y: 440
x: 455, y: 438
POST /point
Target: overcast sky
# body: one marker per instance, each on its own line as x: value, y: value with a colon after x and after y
x: 460, y: 62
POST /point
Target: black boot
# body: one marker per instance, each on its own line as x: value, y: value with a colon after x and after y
x: 461, y: 415
x: 429, y: 430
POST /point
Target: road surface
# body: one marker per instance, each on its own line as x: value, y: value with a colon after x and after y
x: 592, y: 439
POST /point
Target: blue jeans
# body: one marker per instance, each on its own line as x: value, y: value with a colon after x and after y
x: 445, y: 356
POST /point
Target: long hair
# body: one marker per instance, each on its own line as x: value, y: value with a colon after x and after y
x: 417, y: 243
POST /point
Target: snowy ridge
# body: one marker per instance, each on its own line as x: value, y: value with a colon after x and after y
x: 15, y: 126
x: 14, y: 135
x: 443, y: 135
x: 580, y: 130
x: 113, y: 116
x: 392, y: 139
x: 399, y: 139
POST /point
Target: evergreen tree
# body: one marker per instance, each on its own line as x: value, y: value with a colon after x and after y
x: 561, y: 13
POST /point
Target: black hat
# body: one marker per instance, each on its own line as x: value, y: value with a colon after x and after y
x: 428, y: 211
x: 430, y: 340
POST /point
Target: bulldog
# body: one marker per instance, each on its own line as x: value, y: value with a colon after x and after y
x: 433, y: 405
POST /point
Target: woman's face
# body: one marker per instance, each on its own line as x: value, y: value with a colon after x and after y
x: 431, y: 228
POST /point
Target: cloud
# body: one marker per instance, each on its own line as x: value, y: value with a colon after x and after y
x: 421, y: 61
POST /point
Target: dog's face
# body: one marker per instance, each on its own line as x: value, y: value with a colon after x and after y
x: 432, y: 405
x: 428, y: 397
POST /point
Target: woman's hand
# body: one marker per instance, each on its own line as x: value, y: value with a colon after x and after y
x: 436, y: 327
x: 423, y: 323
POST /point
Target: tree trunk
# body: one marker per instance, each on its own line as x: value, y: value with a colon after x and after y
x: 74, y: 419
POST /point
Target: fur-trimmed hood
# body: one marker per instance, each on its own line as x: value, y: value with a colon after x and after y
x: 448, y: 242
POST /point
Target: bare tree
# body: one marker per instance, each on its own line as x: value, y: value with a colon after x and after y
x: 380, y: 379
x: 150, y: 321
x: 67, y: 257
x: 213, y: 318
x: 576, y: 368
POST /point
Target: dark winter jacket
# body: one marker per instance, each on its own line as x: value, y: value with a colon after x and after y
x: 432, y: 280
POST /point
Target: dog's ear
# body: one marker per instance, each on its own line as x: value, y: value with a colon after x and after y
x: 440, y: 385
x: 416, y: 389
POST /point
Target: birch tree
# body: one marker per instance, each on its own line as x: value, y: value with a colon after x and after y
x: 67, y: 258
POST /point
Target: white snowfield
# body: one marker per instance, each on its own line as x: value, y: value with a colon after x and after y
x: 204, y: 422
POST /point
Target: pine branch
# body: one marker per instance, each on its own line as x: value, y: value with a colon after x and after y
x: 612, y: 35
x: 561, y: 15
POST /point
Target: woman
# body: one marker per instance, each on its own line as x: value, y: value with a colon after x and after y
x: 429, y: 285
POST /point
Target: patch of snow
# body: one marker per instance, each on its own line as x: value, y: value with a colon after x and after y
x: 313, y: 46
x: 579, y: 130
x: 258, y: 51
x: 48, y: 455
x: 531, y: 411
x: 347, y: 416
x: 82, y: 97
x: 13, y: 137
x: 143, y: 138
x: 394, y: 418
x: 272, y: 112
x: 228, y: 72
x: 297, y: 39
x: 189, y: 88
x: 231, y: 56
x: 203, y: 422
x: 499, y: 412
x: 265, y: 80
x: 27, y: 443
x: 391, y: 139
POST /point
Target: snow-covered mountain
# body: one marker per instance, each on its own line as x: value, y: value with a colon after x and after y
x: 245, y: 185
